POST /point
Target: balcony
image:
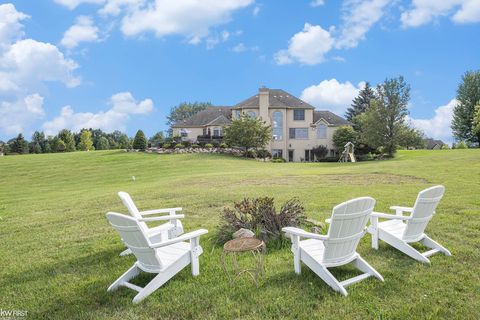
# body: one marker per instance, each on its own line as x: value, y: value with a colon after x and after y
x: 209, y: 138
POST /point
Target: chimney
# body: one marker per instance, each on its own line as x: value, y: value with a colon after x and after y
x: 263, y: 103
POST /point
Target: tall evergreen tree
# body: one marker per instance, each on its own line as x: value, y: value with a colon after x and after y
x: 140, y: 142
x: 360, y: 103
x: 468, y: 96
x: 38, y: 138
x: 19, y: 145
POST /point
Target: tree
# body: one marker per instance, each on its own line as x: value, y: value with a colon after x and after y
x: 157, y: 139
x: 86, y: 143
x: 320, y: 152
x: 468, y: 96
x: 382, y: 123
x: 140, y: 142
x: 103, y: 144
x: 59, y: 145
x: 360, y: 104
x: 185, y: 110
x: 37, y: 148
x: 38, y: 138
x: 248, y: 132
x: 411, y: 138
x: 47, y: 148
x: 342, y: 136
x: 461, y: 145
x: 124, y: 142
x: 476, y: 121
x: 67, y: 137
x: 19, y: 145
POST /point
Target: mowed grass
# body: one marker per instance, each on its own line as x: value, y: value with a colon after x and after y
x: 58, y: 253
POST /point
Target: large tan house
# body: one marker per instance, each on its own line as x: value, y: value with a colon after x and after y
x: 297, y: 127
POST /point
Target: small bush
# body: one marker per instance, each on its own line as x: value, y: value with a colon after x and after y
x: 216, y: 144
x: 260, y: 216
x: 279, y: 160
x: 329, y: 159
x: 461, y: 145
x: 209, y: 146
x: 320, y: 152
x: 195, y: 146
x: 223, y: 145
x: 262, y: 153
x: 445, y: 147
x: 167, y: 145
x: 179, y: 146
x: 187, y: 144
x: 251, y: 154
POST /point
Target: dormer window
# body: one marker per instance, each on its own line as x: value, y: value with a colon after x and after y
x: 322, y: 131
x: 299, y: 114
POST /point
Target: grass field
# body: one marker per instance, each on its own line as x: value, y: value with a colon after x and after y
x: 58, y: 253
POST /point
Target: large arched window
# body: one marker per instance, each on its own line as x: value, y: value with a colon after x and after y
x: 277, y: 132
x: 322, y: 131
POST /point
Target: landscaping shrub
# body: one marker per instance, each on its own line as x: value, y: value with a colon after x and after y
x: 260, y: 216
x: 251, y: 154
x: 223, y: 145
x: 179, y: 146
x: 278, y: 160
x: 209, y: 146
x: 461, y: 145
x: 187, y: 144
x: 195, y: 146
x: 262, y: 153
x: 320, y: 151
x: 216, y: 144
x: 167, y: 145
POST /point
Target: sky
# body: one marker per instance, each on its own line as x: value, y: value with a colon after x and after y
x: 123, y: 64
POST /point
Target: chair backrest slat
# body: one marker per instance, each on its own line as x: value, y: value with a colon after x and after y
x: 347, y: 227
x: 132, y: 208
x: 136, y: 240
x: 423, y: 210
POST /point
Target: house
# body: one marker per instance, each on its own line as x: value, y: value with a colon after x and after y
x: 297, y: 127
x: 432, y: 144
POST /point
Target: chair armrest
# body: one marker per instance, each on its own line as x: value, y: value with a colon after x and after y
x: 163, y: 218
x: 388, y: 216
x: 156, y: 211
x: 401, y: 209
x: 183, y: 237
x: 303, y: 233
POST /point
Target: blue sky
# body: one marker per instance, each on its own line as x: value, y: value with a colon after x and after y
x: 122, y: 64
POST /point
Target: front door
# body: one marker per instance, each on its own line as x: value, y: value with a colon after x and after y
x: 290, y: 155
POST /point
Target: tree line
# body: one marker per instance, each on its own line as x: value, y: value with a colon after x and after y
x: 85, y: 140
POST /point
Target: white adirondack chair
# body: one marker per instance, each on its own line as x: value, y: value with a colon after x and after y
x: 338, y: 247
x: 399, y: 231
x: 165, y: 258
x: 169, y: 230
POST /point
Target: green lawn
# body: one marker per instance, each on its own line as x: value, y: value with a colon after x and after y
x: 58, y: 253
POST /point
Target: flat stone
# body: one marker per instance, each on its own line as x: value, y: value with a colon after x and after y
x: 243, y: 233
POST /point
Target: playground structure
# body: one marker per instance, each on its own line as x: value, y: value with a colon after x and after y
x: 348, y: 153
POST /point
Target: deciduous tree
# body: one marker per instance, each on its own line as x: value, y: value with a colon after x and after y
x: 248, y: 132
x: 468, y: 96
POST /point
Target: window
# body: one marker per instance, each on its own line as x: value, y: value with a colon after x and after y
x: 277, y: 153
x: 252, y: 114
x: 184, y: 134
x: 277, y: 132
x: 322, y: 131
x: 298, y: 133
x: 299, y: 114
x: 204, y: 131
x: 217, y: 132
x: 238, y: 113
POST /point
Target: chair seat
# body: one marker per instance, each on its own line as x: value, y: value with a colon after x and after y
x: 394, y: 227
x: 314, y: 248
x: 170, y: 254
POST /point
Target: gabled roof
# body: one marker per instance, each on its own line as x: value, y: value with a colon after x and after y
x: 330, y: 117
x: 431, y: 143
x: 277, y: 99
x: 211, y: 116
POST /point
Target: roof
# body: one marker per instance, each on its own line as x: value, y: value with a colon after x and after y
x: 277, y: 99
x: 431, y: 143
x: 210, y: 116
x: 329, y: 117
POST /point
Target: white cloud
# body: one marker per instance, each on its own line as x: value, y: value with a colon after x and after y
x: 123, y: 105
x: 72, y: 4
x: 10, y: 27
x: 16, y: 116
x: 83, y: 30
x: 425, y: 11
x: 190, y: 18
x: 256, y: 11
x: 115, y: 7
x: 308, y: 46
x: 26, y: 65
x: 331, y: 95
x: 438, y: 127
x: 215, y: 39
x: 317, y: 3
x: 359, y: 16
